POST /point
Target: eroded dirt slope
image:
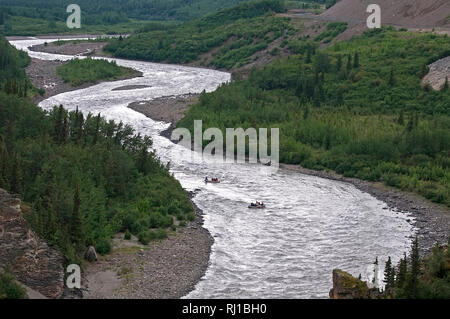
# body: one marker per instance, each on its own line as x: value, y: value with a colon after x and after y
x: 408, y: 13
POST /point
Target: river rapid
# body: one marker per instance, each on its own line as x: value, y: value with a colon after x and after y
x: 311, y: 225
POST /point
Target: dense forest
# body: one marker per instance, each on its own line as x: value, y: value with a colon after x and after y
x: 83, y: 178
x: 357, y: 107
x: 114, y: 11
x: 241, y: 31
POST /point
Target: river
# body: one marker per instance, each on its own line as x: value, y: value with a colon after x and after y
x: 311, y: 226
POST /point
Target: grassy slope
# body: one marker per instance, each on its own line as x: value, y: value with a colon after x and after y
x: 359, y: 121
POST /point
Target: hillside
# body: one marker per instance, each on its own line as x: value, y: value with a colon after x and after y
x: 226, y: 39
x: 407, y: 13
x: 32, y: 17
x: 357, y: 108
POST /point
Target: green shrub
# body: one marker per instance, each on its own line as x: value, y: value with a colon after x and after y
x: 127, y: 235
x: 160, y: 233
x: 144, y: 237
x: 103, y: 246
x: 9, y: 288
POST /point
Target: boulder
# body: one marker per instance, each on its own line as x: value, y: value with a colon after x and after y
x: 90, y: 254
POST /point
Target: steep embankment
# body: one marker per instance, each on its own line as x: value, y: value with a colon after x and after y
x: 31, y: 260
x: 408, y: 13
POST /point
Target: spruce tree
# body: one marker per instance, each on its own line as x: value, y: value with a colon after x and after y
x: 391, y: 77
x: 16, y: 176
x: 413, y: 278
x: 401, y: 119
x: 308, y: 56
x: 402, y: 272
x: 142, y: 160
x: 79, y: 127
x: 416, y: 120
x: 4, y: 165
x: 411, y: 123
x: 64, y: 130
x: 349, y: 63
x: 387, y: 273
x: 97, y: 129
x: 356, y: 61
x: 339, y: 63
x: 76, y: 230
x: 58, y: 124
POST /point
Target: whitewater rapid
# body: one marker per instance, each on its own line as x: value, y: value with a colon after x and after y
x: 311, y: 226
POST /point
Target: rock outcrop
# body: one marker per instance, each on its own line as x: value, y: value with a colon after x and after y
x: 345, y: 286
x: 439, y: 71
x: 33, y: 263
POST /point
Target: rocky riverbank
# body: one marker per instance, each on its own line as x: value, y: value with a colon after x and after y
x: 167, y: 269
